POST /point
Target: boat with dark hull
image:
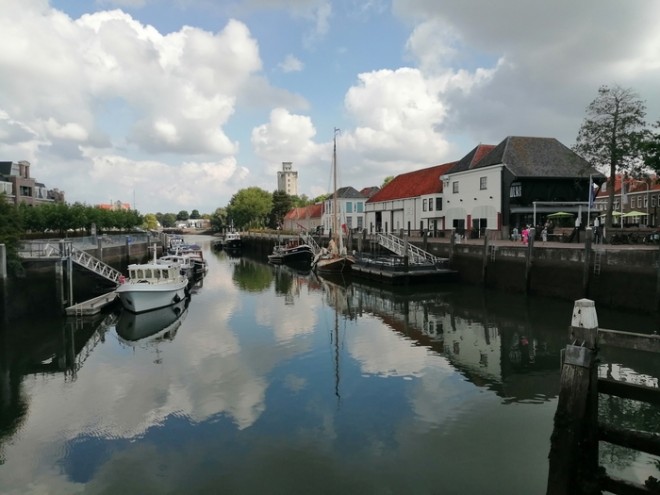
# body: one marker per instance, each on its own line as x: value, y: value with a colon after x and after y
x: 292, y: 252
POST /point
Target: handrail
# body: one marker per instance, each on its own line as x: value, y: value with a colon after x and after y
x: 397, y: 246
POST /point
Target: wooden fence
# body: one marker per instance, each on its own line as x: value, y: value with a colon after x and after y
x: 574, y: 463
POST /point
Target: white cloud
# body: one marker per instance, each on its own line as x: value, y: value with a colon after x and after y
x: 291, y: 64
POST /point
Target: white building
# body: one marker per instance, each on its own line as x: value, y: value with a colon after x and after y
x: 351, y: 209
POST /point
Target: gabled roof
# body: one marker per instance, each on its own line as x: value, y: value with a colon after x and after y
x: 349, y: 192
x: 413, y: 184
x: 538, y: 157
x: 305, y: 212
x: 369, y: 191
x: 473, y: 157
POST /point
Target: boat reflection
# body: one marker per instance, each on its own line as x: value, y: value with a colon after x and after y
x: 151, y: 326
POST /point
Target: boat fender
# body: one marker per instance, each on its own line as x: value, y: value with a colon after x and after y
x: 177, y: 298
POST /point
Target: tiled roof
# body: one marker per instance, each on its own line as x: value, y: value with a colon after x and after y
x: 367, y: 192
x: 413, y: 184
x: 632, y: 185
x: 538, y: 157
x: 303, y: 212
x: 349, y: 192
x: 473, y: 157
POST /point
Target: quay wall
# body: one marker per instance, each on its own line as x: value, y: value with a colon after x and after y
x: 622, y: 277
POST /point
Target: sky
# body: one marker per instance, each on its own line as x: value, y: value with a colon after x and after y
x: 174, y: 105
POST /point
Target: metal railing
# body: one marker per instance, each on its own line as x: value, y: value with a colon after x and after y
x: 398, y: 246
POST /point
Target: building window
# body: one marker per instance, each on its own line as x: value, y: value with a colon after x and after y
x: 423, y: 205
x: 430, y: 204
x: 349, y: 207
x: 438, y: 204
x: 653, y: 201
x: 360, y: 207
x: 26, y: 191
x: 359, y: 221
x: 483, y: 183
x: 454, y: 187
x: 516, y: 190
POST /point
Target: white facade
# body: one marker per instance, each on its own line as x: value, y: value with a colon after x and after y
x: 287, y: 179
x: 424, y: 212
x: 351, y: 213
x: 473, y: 199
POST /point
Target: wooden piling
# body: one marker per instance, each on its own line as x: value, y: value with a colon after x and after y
x: 484, y: 261
x: 574, y: 448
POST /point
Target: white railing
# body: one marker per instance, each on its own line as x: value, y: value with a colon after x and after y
x: 398, y: 246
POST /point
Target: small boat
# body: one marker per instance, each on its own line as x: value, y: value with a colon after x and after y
x: 334, y: 259
x: 152, y: 285
x: 232, y: 241
x: 151, y: 326
x: 292, y: 252
x: 194, y: 255
x: 186, y: 265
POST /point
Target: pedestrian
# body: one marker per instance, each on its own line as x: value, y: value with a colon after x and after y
x: 525, y: 235
x: 544, y: 234
x: 597, y: 236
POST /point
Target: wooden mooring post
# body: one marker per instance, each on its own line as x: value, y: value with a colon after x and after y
x: 573, y: 461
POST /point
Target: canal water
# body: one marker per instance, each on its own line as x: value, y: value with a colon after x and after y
x: 271, y: 381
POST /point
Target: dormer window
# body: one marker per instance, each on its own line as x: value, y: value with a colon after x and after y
x: 516, y: 190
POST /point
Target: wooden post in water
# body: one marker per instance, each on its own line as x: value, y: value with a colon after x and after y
x: 588, y: 254
x: 484, y: 260
x: 452, y: 243
x: 573, y: 458
x: 3, y: 261
x: 528, y: 257
x: 657, y: 279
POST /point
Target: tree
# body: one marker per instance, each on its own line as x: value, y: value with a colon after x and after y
x: 182, y: 215
x: 194, y: 215
x: 219, y: 219
x: 249, y: 207
x: 281, y: 205
x: 10, y: 232
x: 168, y: 220
x: 387, y: 180
x: 651, y: 149
x: 611, y: 134
x: 150, y: 222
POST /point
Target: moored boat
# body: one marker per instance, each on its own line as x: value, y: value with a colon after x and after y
x: 152, y: 285
x: 150, y: 326
x: 232, y: 241
x: 334, y: 259
x: 292, y: 252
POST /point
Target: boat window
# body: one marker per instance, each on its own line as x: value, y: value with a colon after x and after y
x: 148, y: 273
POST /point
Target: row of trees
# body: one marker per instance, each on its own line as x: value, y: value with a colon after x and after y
x: 616, y: 138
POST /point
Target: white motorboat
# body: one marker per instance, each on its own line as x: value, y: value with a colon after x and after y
x: 152, y: 285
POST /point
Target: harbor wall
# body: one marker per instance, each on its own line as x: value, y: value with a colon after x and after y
x: 625, y: 278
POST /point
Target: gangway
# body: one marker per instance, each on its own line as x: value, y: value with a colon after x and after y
x: 81, y: 258
x: 307, y: 237
x: 398, y: 246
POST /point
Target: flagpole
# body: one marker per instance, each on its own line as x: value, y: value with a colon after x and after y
x: 591, y: 199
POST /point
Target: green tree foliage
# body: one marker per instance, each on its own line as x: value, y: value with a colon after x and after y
x: 611, y: 133
x: 194, y: 215
x: 10, y: 232
x: 249, y: 208
x: 182, y: 215
x: 219, y: 219
x: 150, y: 222
x: 282, y: 203
x: 387, y: 180
x: 651, y: 149
x: 168, y: 220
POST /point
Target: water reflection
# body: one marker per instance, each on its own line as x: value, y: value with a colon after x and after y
x: 151, y: 326
x: 278, y: 380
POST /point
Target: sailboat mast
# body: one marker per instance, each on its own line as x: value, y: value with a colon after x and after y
x: 335, y: 212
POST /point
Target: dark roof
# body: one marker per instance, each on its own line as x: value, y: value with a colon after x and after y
x: 349, y: 192
x: 473, y: 157
x: 538, y: 157
x: 369, y: 191
x: 5, y: 168
x: 413, y: 184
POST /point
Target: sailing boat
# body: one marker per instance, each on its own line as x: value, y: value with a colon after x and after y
x: 335, y: 258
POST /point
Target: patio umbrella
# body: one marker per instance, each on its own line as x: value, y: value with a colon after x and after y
x: 560, y: 214
x: 635, y: 213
